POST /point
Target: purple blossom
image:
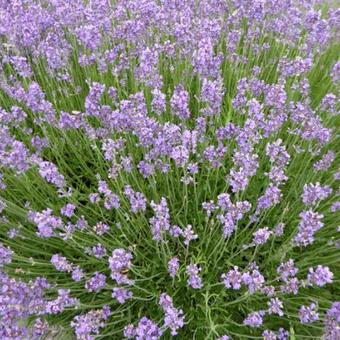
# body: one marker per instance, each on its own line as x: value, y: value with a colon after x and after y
x: 269, y: 335
x: 68, y: 210
x: 89, y: 324
x: 146, y: 169
x: 146, y: 329
x: 279, y: 229
x: 180, y: 103
x: 232, y: 279
x: 121, y: 294
x: 61, y: 263
x: 3, y: 206
x: 309, y: 224
x: 175, y: 231
x: 93, y: 98
x: 212, y: 95
x: 275, y: 306
x: 254, y: 319
x: 40, y: 328
x: 50, y: 173
x: 119, y: 262
x: 158, y: 101
x: 174, y: 318
x: 334, y: 311
x: 204, y: 61
x: 332, y: 320
x: 283, y: 334
x: 61, y: 302
x: 101, y: 228
x: 94, y: 198
x: 98, y: 251
x: 261, y: 236
x: 320, y: 276
x: 18, y: 301
x: 46, y: 223
x: 335, y: 207
x: 161, y: 221
x: 271, y: 197
x: 254, y: 280
x: 287, y: 270
x: 209, y: 207
x: 325, y: 162
x: 173, y: 266
x: 111, y: 201
x: 312, y: 193
x: 137, y: 200
x: 96, y: 283
x: 5, y: 255
x: 77, y: 274
x: 224, y: 202
x: 194, y: 280
x: 189, y: 235
x: 308, y: 314
x: 291, y: 286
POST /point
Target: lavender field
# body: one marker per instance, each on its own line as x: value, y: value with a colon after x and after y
x: 169, y: 169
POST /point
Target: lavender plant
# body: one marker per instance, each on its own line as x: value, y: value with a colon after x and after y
x: 169, y: 168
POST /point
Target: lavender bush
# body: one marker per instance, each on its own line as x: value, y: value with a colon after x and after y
x: 169, y: 168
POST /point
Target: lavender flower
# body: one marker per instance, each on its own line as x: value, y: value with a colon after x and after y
x: 320, y: 276
x: 101, y: 228
x: 61, y: 264
x: 332, y: 320
x: 98, y: 251
x: 96, y: 283
x: 173, y: 266
x: 313, y: 193
x: 308, y: 314
x: 46, y: 223
x: 121, y: 294
x: 146, y: 329
x: 279, y: 230
x: 232, y: 279
x: 261, y: 236
x: 179, y: 102
x: 68, y: 210
x: 194, y: 280
x: 77, y: 274
x: 143, y: 113
x: 174, y: 318
x: 5, y: 255
x: 254, y: 319
x: 269, y: 335
x: 137, y: 199
x: 253, y: 280
x: 287, y: 270
x: 335, y: 207
x: 325, y: 162
x: 60, y: 303
x: 161, y: 222
x: 189, y: 235
x: 158, y: 101
x: 119, y: 262
x: 50, y: 173
x: 275, y: 307
x: 89, y: 324
x: 309, y: 224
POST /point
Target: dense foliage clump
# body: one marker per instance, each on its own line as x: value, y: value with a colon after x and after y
x: 169, y: 168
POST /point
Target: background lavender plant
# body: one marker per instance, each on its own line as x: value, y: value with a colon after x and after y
x: 169, y: 168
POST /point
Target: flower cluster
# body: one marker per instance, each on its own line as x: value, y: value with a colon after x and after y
x: 169, y: 168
